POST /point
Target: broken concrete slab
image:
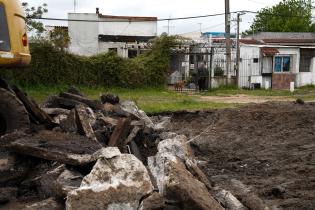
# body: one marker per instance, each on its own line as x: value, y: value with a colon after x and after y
x: 120, y: 133
x: 109, y: 121
x: 59, y: 118
x: 154, y: 202
x: 177, y: 184
x: 59, y: 102
x: 70, y: 123
x: 133, y: 134
x: 167, y: 135
x: 107, y: 153
x: 116, y: 183
x: 96, y: 105
x: 48, y: 204
x: 67, y: 181
x: 229, y: 201
x: 56, y: 111
x: 163, y: 124
x: 64, y: 148
x: 84, y: 119
x: 176, y: 146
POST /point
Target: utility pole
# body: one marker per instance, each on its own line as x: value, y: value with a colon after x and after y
x: 228, y: 41
x: 238, y: 51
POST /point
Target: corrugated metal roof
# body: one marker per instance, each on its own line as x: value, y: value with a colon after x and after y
x: 129, y: 18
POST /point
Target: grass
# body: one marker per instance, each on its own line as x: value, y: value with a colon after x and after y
x: 154, y: 100
x: 151, y: 100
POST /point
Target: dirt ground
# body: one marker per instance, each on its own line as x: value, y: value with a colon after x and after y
x: 269, y: 147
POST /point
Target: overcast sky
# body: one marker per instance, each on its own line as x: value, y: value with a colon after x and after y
x: 160, y: 9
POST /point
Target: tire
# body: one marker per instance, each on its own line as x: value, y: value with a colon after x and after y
x: 13, y: 115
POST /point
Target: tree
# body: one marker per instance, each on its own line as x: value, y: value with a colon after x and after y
x: 60, y: 38
x: 287, y: 16
x: 33, y: 13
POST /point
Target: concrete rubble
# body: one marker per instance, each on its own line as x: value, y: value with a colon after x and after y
x: 100, y: 154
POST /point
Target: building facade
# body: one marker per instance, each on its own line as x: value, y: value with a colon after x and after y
x: 126, y: 35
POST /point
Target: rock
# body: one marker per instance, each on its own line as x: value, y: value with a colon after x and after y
x: 133, y: 134
x: 68, y: 181
x: 110, y: 98
x: 167, y: 135
x: 120, y: 133
x: 177, y: 146
x: 116, y: 183
x: 56, y: 111
x: 300, y: 101
x: 7, y: 194
x: 109, y: 121
x: 154, y: 202
x: 46, y: 184
x: 59, y: 118
x: 96, y: 105
x: 107, y: 153
x: 164, y: 123
x: 64, y: 148
x: 229, y: 201
x: 131, y: 108
x: 70, y: 123
x: 59, y: 102
x: 49, y: 204
x: 84, y: 119
x: 177, y: 184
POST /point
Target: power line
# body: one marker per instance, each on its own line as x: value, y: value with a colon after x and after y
x: 131, y: 19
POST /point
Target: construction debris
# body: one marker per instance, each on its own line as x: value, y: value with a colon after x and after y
x: 93, y: 155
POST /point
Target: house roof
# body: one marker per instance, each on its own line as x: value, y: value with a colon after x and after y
x: 250, y: 41
x: 129, y: 18
x: 290, y: 41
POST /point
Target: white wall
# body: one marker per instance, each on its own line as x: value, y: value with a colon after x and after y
x: 83, y: 35
x: 306, y: 78
x: 128, y: 28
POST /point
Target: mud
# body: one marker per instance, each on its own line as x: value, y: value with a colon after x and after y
x: 269, y: 147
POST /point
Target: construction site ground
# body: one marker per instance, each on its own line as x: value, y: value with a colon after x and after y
x: 269, y: 147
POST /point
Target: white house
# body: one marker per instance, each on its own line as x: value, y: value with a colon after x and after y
x: 94, y: 33
x: 274, y: 60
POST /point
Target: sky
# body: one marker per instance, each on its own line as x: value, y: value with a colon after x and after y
x: 161, y: 9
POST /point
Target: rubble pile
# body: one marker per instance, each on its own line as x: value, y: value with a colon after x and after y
x: 98, y: 154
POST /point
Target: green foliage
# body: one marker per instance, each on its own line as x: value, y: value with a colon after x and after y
x: 287, y: 16
x: 34, y: 12
x: 60, y: 38
x: 51, y: 66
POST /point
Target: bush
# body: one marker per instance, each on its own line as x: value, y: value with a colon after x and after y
x: 51, y: 66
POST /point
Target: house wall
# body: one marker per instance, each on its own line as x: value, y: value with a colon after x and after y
x: 126, y: 28
x: 306, y: 78
x: 83, y: 35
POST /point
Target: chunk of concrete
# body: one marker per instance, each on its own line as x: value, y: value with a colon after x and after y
x: 85, y: 118
x: 167, y: 135
x: 70, y: 123
x: 164, y: 123
x: 68, y: 181
x: 64, y: 148
x: 107, y: 153
x: 154, y: 202
x: 116, y: 183
x: 120, y: 133
x: 56, y: 111
x: 177, y: 184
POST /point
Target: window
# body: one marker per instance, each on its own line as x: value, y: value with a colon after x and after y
x: 132, y: 53
x: 306, y: 58
x: 282, y: 64
x: 255, y: 60
x: 4, y: 33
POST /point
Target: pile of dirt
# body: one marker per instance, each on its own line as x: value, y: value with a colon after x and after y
x: 268, y: 147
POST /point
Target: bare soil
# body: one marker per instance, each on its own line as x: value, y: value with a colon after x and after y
x: 269, y: 147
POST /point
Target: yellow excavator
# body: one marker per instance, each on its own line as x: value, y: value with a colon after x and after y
x: 14, y: 51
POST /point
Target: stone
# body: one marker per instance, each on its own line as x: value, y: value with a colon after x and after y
x: 96, y: 105
x: 116, y: 183
x: 176, y: 146
x: 167, y: 135
x: 84, y: 119
x: 67, y: 181
x: 61, y: 147
x: 164, y: 123
x: 110, y: 98
x: 229, y: 201
x: 120, y: 133
x: 59, y: 118
x: 154, y: 202
x: 7, y: 194
x: 56, y: 111
x: 133, y: 134
x: 177, y: 184
x: 48, y: 204
x: 70, y: 123
x: 107, y: 153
